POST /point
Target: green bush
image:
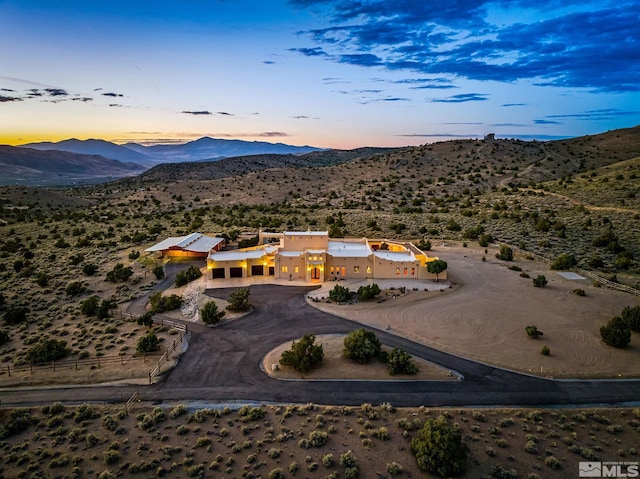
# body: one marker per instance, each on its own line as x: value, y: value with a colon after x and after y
x: 160, y: 303
x: 15, y: 314
x: 4, y: 337
x: 239, y: 300
x: 148, y: 343
x: 545, y: 351
x: 616, y: 333
x: 533, y: 331
x: 210, y: 313
x: 119, y: 273
x: 146, y: 319
x: 303, y: 355
x: 340, y: 294
x: 505, y: 254
x: 631, y: 316
x: 564, y: 261
x: 47, y: 350
x: 158, y: 271
x: 89, y: 269
x: 74, y: 288
x: 187, y: 275
x: 400, y: 362
x: 368, y: 292
x: 362, y: 346
x: 540, y: 281
x: 439, y: 449
x: 89, y: 307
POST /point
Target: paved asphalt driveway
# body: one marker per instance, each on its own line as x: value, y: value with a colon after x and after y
x: 223, y: 364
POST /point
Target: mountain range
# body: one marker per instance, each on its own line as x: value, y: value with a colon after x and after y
x: 203, y: 149
x: 27, y: 166
x: 76, y: 161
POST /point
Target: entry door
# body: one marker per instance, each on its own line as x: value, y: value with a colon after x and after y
x: 315, y: 274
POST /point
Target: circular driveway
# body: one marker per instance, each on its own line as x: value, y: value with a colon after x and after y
x: 223, y: 364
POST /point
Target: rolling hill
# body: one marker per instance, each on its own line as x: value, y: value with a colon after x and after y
x: 27, y: 166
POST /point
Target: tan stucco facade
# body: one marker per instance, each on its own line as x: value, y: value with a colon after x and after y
x: 312, y: 257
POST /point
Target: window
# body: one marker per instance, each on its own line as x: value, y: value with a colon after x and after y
x: 369, y: 269
x: 344, y: 271
x: 406, y: 271
x: 397, y: 271
x: 285, y: 269
x: 332, y: 270
x: 296, y: 269
x: 356, y: 269
x: 337, y: 271
x: 413, y: 271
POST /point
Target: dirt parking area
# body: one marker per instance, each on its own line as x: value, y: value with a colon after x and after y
x: 483, y: 316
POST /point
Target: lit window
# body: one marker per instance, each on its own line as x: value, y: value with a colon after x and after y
x: 285, y: 269
x: 344, y: 271
x: 406, y: 271
x: 397, y: 271
x: 413, y: 271
x: 337, y: 271
x: 356, y: 269
x: 296, y: 269
x: 369, y: 269
x: 332, y: 270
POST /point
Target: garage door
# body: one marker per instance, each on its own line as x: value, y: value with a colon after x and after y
x: 217, y: 273
x: 257, y: 270
x: 235, y: 272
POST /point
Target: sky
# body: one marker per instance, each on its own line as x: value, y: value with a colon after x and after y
x: 334, y: 74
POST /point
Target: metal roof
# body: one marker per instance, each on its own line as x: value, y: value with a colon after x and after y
x: 196, y: 242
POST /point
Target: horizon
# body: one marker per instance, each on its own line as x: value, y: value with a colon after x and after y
x: 326, y: 74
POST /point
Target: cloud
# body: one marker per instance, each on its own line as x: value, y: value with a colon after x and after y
x: 309, y: 52
x: 271, y: 134
x: 513, y: 104
x: 438, y: 135
x: 54, y: 92
x: 269, y: 62
x: 198, y: 112
x: 596, y: 115
x: 83, y: 99
x: 547, y: 122
x: 6, y: 99
x: 594, y: 44
x: 224, y: 113
x: 462, y: 98
x: 7, y: 90
x: 111, y: 94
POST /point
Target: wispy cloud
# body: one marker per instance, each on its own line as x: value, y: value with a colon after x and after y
x: 197, y: 112
x: 462, y: 98
x: 112, y: 94
x: 547, y: 122
x: 594, y: 45
x: 7, y: 99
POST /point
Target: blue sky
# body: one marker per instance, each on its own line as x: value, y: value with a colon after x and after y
x: 325, y: 73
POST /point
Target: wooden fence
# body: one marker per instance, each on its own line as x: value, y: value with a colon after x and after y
x: 76, y: 363
x: 165, y: 357
x: 131, y: 401
x: 609, y: 284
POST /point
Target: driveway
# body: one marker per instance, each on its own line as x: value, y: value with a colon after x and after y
x: 223, y: 364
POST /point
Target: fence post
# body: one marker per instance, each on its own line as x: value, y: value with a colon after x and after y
x: 98, y: 361
x: 76, y: 364
x: 9, y: 370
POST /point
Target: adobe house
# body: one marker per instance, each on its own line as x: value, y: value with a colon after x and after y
x: 195, y: 245
x: 311, y: 256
